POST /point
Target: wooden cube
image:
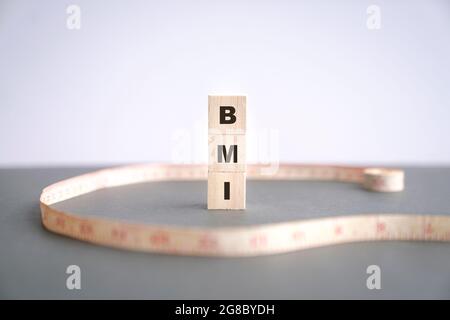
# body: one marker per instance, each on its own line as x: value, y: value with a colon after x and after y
x: 227, y: 114
x: 226, y: 190
x: 227, y: 153
x: 226, y: 143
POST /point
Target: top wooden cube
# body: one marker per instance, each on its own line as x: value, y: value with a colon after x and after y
x: 226, y: 114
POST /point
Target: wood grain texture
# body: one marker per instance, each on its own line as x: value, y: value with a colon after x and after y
x: 216, y: 190
x: 227, y: 154
x: 240, y: 105
x: 218, y: 158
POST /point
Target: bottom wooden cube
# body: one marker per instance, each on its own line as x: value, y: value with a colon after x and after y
x: 226, y: 190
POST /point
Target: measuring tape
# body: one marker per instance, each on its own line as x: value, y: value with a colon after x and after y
x: 237, y: 241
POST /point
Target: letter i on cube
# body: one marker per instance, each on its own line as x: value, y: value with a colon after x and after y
x: 226, y: 143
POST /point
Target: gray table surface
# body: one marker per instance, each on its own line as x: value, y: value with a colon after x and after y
x: 33, y: 261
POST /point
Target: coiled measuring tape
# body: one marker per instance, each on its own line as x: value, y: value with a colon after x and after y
x: 237, y: 241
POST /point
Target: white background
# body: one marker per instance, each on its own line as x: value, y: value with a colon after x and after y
x: 135, y: 78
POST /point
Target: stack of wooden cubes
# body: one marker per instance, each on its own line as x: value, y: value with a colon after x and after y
x: 226, y: 143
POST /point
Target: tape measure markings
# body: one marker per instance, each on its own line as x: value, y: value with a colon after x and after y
x: 236, y: 241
